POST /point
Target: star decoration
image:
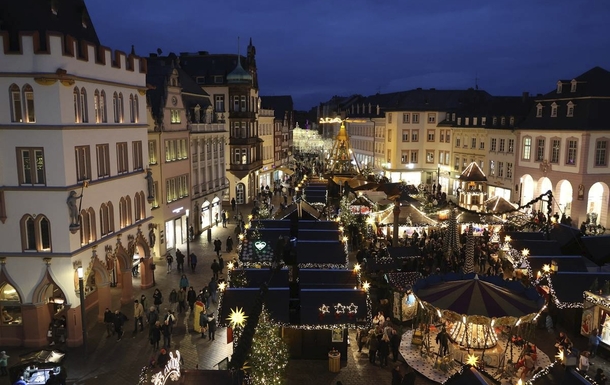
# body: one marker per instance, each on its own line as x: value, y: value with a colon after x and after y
x: 324, y: 309
x: 237, y: 317
x: 340, y: 309
x: 352, y: 308
x: 472, y: 360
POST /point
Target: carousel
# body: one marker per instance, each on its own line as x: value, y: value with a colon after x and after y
x: 469, y: 318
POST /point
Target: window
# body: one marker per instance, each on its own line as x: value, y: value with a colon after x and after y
x: 453, y: 117
x: 559, y: 87
x: 601, y: 153
x: 115, y: 107
x: 539, y: 110
x: 414, y: 135
x: 175, y: 116
x: 475, y: 121
x: 502, y: 144
x: 103, y: 107
x: 96, y: 107
x: 83, y: 163
x: 389, y: 135
x: 527, y: 148
x: 456, y: 166
x: 28, y: 95
x: 503, y: 121
x: 511, y: 121
x: 500, y: 169
x: 540, y: 149
x: 405, y: 135
x: 509, y: 170
x: 102, y: 152
x: 483, y: 120
x: 494, y: 121
x: 35, y: 233
x: 473, y: 143
x: 414, y: 157
x: 237, y: 156
x: 122, y: 158
x: 554, y: 110
x: 459, y: 121
x: 442, y: 136
x: 430, y: 135
x: 152, y: 152
x: 390, y: 118
x: 182, y: 149
x: 511, y: 146
x: 430, y: 156
x: 572, y: 151
x: 415, y: 118
x: 492, y: 167
x: 441, y: 157
x: 570, y: 112
x: 87, y: 226
x: 493, y: 144
x: 467, y: 121
x: 458, y: 142
x: 218, y: 79
x: 16, y: 106
x: 555, y: 150
x: 11, y: 303
x: 124, y: 212
x: 106, y: 219
x: 31, y: 166
x: 133, y: 108
x: 200, y: 79
x: 448, y: 136
x: 573, y: 86
x: 431, y: 118
x: 242, y: 104
x: 84, y: 116
x: 137, y: 156
x: 155, y: 202
x: 219, y: 103
x: 405, y: 118
x: 137, y: 203
x: 76, y: 100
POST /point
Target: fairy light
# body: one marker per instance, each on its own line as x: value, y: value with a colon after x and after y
x: 472, y: 360
x: 366, y: 286
x: 357, y: 267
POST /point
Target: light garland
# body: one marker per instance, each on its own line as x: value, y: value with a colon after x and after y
x: 339, y: 309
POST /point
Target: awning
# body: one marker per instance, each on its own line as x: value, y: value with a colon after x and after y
x: 285, y: 170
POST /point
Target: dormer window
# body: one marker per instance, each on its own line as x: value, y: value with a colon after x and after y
x: 570, y: 112
x: 459, y: 121
x: 494, y: 121
x: 511, y: 121
x: 554, y: 110
x: 573, y: 85
x: 539, y: 110
x: 503, y: 121
x: 559, y: 86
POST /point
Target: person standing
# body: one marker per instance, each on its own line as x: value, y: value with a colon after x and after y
x: 373, y: 346
x: 191, y: 298
x: 119, y: 321
x: 157, y: 298
x: 166, y: 331
x: 233, y: 204
x: 384, y: 350
x: 193, y: 260
x: 152, y: 318
x: 215, y: 268
x: 409, y: 377
x: 213, y: 289
x: 394, y: 344
x: 221, y: 264
x: 179, y: 261
x: 155, y: 335
x: 217, y: 246
x: 594, y: 340
x: 361, y: 338
x: 184, y: 282
x: 138, y: 313
x: 173, y: 300
x: 181, y: 300
x: 144, y: 303
x: 211, y: 327
x: 203, y: 323
x: 224, y: 218
x: 109, y: 321
x: 3, y: 363
x: 170, y: 261
x: 396, y: 376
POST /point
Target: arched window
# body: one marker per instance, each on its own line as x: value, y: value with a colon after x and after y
x: 110, y: 208
x: 84, y: 116
x: 122, y: 213
x: 76, y: 99
x: 10, y: 305
x: 128, y: 216
x: 103, y: 107
x: 16, y: 105
x: 136, y: 202
x: 115, y: 106
x: 103, y: 219
x: 96, y: 106
x: 28, y: 96
x: 132, y: 117
x: 35, y: 233
x: 92, y: 228
x: 142, y: 204
x: 121, y: 109
x: 136, y: 109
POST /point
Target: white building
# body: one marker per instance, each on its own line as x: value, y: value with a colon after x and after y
x: 73, y: 131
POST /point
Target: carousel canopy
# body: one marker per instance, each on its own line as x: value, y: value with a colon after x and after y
x: 498, y: 205
x: 477, y: 297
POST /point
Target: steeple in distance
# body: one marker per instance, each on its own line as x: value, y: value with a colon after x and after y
x: 239, y: 75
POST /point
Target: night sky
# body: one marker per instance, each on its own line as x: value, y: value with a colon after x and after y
x: 313, y: 49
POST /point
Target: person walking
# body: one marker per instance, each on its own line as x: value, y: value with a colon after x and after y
x: 373, y: 346
x: 203, y: 323
x: 217, y: 246
x: 362, y: 336
x: 181, y: 300
x: 395, y: 344
x: 221, y: 264
x: 193, y: 261
x: 166, y: 331
x: 233, y: 204
x: 184, y: 282
x: 215, y: 268
x: 153, y: 320
x: 213, y: 288
x: 155, y: 335
x: 224, y: 218
x: 170, y: 261
x: 211, y: 327
x: 594, y: 340
x: 3, y: 363
x: 191, y: 298
x: 119, y: 321
x: 138, y: 313
x: 229, y: 244
x: 173, y: 300
x: 384, y: 350
x: 109, y: 321
x: 157, y: 298
x: 179, y: 261
x: 144, y: 303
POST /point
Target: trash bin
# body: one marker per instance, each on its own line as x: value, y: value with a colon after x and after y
x: 334, y: 362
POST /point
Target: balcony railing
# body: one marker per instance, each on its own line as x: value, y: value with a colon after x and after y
x: 255, y: 165
x: 207, y: 127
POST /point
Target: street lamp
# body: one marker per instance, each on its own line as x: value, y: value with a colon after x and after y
x: 188, y: 236
x: 438, y: 176
x: 81, y: 289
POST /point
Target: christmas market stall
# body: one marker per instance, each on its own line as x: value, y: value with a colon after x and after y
x: 393, y: 258
x: 404, y: 303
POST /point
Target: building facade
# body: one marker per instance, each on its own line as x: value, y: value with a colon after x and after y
x: 266, y: 118
x: 283, y: 124
x: 74, y: 201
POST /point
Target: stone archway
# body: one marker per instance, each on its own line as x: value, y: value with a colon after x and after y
x: 565, y: 193
x: 146, y: 269
x: 99, y: 272
x: 13, y: 335
x: 124, y: 272
x: 527, y: 189
x: 544, y: 185
x: 597, y: 202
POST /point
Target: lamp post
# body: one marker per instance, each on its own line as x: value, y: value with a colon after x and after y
x: 188, y: 235
x: 81, y: 289
x: 438, y: 176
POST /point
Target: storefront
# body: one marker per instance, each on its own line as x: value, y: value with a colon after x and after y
x: 206, y: 215
x: 175, y: 232
x: 265, y: 177
x: 596, y: 315
x: 409, y: 177
x: 216, y: 209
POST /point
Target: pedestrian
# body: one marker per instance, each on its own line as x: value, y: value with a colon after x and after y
x: 191, y: 298
x: 594, y: 340
x: 216, y: 219
x: 215, y: 268
x: 211, y: 327
x: 173, y: 300
x: 169, y: 319
x: 155, y: 335
x: 191, y: 233
x: 229, y: 243
x: 3, y: 363
x: 179, y: 261
x: 203, y: 323
x: 221, y: 264
x: 600, y: 378
x: 233, y: 204
x: 157, y: 298
x: 373, y: 346
x: 184, y: 282
x: 384, y: 350
x: 181, y: 300
x: 193, y: 260
x: 217, y: 246
x: 169, y: 260
x: 583, y: 363
x: 119, y: 321
x: 138, y: 313
x: 144, y: 303
x: 152, y: 318
x: 109, y: 321
x: 213, y: 288
x: 442, y: 340
x: 362, y: 336
x: 394, y: 344
x: 396, y: 376
x: 409, y: 377
x: 224, y: 219
x: 166, y: 331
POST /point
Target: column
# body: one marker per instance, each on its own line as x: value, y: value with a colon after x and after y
x: 36, y: 319
x: 104, y: 300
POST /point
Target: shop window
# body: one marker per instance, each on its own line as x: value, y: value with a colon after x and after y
x: 10, y: 305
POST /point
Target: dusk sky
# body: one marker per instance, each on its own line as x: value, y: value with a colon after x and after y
x: 313, y: 49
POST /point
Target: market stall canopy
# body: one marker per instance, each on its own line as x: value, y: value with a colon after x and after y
x: 498, y: 204
x: 403, y: 252
x: 477, y: 297
x: 403, y: 280
x: 210, y: 377
x: 522, y: 235
x: 408, y: 211
x: 574, y: 263
x: 479, y: 218
x: 285, y: 170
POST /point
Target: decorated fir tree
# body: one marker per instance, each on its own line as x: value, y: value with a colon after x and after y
x: 451, y: 245
x: 345, y: 214
x: 269, y: 354
x: 469, y: 262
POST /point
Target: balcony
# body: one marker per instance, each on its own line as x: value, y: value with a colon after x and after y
x: 251, y: 141
x: 207, y: 127
x: 241, y: 170
x: 251, y: 115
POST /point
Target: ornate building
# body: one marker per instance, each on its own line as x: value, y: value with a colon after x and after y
x: 73, y: 195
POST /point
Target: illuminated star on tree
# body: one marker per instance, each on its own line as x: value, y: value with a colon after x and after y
x: 237, y: 317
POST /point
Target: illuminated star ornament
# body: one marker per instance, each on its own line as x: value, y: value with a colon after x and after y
x: 237, y: 317
x: 472, y: 360
x: 339, y: 309
x: 324, y: 309
x: 352, y: 308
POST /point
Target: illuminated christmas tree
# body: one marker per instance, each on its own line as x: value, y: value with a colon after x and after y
x: 451, y: 246
x: 469, y: 262
x: 269, y: 354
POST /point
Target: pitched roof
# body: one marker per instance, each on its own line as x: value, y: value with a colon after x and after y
x: 473, y: 173
x: 280, y: 104
x: 71, y: 18
x: 206, y: 66
x: 436, y: 100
